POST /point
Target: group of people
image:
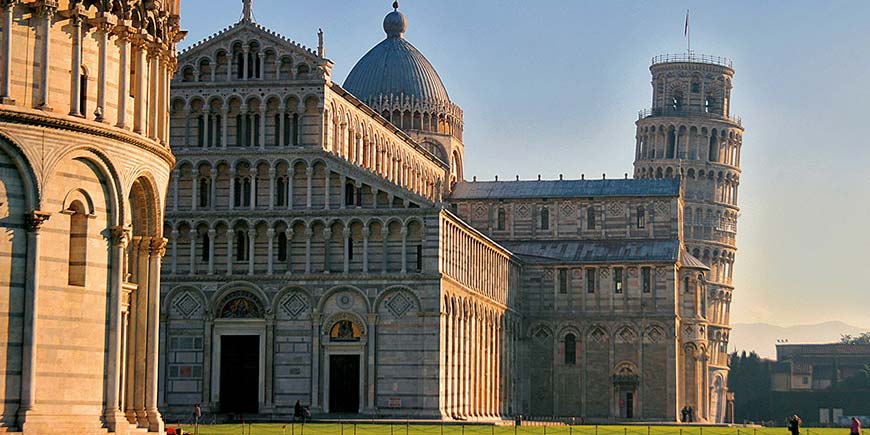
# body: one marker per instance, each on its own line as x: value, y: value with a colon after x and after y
x: 687, y: 414
x: 794, y: 425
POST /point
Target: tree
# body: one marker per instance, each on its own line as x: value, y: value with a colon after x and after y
x: 863, y: 338
x: 749, y: 380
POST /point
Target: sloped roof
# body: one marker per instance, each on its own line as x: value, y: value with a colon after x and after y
x: 595, y: 251
x: 690, y: 261
x: 566, y: 188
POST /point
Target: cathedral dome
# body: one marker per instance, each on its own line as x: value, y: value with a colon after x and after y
x: 395, y: 68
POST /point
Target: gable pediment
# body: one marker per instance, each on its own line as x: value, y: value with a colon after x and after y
x: 242, y: 34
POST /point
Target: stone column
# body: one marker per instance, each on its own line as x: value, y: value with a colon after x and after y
x: 327, y: 186
x: 157, y: 250
x: 212, y: 203
x: 230, y: 234
x: 282, y: 115
x: 255, y: 175
x: 270, y: 234
x: 347, y: 243
x: 140, y: 333
x: 173, y: 237
x: 252, y: 236
x: 327, y: 237
x: 153, y: 97
x: 272, y: 173
x: 212, y: 233
x: 7, y: 6
x: 76, y: 68
x: 385, y: 233
x: 371, y: 371
x: 309, y: 172
x: 404, y: 233
x: 139, y: 100
x: 103, y: 24
x: 365, y: 248
x: 192, y: 253
x: 232, y: 177
x: 176, y: 174
x: 309, y: 233
x: 225, y: 122
x: 33, y: 222
x: 194, y: 182
x: 245, y: 72
x: 270, y: 361
x: 263, y: 127
x: 45, y: 11
x: 289, y: 234
x: 315, y: 362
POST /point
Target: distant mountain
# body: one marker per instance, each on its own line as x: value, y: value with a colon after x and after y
x: 762, y: 337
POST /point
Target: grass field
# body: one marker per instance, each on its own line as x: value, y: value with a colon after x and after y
x: 454, y: 429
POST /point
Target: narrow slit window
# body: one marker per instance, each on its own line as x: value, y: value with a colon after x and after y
x: 78, y: 244
x: 590, y: 280
x: 617, y: 281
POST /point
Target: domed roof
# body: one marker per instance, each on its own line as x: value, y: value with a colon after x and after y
x: 395, y: 67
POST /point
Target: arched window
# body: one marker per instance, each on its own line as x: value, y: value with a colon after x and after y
x: 83, y: 93
x: 241, y: 245
x: 350, y: 248
x: 708, y: 104
x: 349, y: 194
x: 714, y: 148
x: 281, y: 191
x: 206, y: 247
x: 282, y: 247
x: 256, y: 128
x: 240, y: 135
x: 200, y: 130
x: 204, y: 191
x: 500, y: 224
x: 294, y: 134
x: 676, y: 102
x: 247, y: 191
x: 672, y: 144
x: 590, y: 218
x: 570, y: 349
x: 240, y: 66
x: 78, y: 243
x: 641, y: 217
x: 686, y: 285
x: 545, y: 218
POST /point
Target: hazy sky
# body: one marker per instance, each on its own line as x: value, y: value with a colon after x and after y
x: 554, y: 87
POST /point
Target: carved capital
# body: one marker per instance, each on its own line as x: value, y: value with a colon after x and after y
x: 119, y: 236
x: 158, y: 246
x: 45, y: 8
x: 35, y: 219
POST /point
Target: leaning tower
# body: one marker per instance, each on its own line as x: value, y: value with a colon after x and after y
x: 690, y: 132
x: 84, y: 167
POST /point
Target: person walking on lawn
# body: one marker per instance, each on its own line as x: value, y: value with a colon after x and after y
x: 856, y: 426
x: 794, y: 425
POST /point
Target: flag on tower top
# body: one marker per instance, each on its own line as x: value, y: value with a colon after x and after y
x: 686, y: 30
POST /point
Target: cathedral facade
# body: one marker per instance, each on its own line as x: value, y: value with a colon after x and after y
x: 325, y: 247
x: 84, y: 146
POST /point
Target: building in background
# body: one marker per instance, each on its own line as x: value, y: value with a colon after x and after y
x: 821, y: 382
x: 84, y: 167
x: 326, y: 248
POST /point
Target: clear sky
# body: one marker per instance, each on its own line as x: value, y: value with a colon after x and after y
x: 552, y: 87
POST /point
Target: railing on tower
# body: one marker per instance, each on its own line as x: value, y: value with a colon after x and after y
x: 693, y: 58
x: 688, y: 112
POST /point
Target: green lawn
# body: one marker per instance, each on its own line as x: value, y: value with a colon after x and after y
x: 453, y: 429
